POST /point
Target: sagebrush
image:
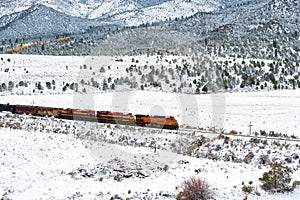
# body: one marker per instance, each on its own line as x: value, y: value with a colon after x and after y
x: 195, y: 189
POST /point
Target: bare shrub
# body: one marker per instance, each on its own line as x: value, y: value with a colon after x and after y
x: 166, y: 167
x: 118, y: 177
x: 247, y: 188
x: 195, y: 189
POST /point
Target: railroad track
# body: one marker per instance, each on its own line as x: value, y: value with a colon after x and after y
x: 266, y: 137
x: 191, y: 130
x: 197, y: 132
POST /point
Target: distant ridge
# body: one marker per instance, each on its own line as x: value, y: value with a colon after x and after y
x: 41, y: 21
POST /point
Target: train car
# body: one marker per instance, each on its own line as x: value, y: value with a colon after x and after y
x: 45, y: 111
x: 123, y: 118
x: 8, y: 108
x: 23, y: 109
x: 166, y: 122
x: 171, y: 123
x: 158, y: 121
x: 105, y: 117
x: 2, y: 107
x: 115, y: 117
x: 142, y: 120
x: 64, y: 113
x: 56, y: 112
x: 84, y: 115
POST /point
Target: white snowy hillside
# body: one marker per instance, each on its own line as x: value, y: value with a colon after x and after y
x: 51, y: 158
x: 104, y: 84
x: 149, y: 99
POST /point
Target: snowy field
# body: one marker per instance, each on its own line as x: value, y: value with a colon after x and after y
x: 43, y: 165
x: 271, y: 111
x: 266, y: 110
x: 56, y: 159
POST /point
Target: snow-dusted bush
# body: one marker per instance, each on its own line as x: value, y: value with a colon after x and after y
x: 247, y: 188
x: 166, y: 167
x: 118, y: 177
x: 195, y: 189
x: 277, y: 179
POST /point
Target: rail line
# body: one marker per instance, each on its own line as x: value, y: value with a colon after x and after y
x: 190, y: 131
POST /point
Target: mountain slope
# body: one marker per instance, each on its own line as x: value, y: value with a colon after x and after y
x: 267, y: 29
x: 47, y: 17
x: 165, y: 11
x: 41, y: 21
x: 93, y: 9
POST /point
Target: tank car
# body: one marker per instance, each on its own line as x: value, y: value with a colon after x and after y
x: 8, y: 108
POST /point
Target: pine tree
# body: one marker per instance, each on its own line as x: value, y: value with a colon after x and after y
x: 277, y: 179
x: 39, y: 86
x: 205, y: 89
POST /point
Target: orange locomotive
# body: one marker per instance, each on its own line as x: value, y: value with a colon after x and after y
x: 84, y: 115
x: 166, y: 122
x: 115, y: 117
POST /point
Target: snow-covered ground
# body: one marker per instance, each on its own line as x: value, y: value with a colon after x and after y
x: 266, y: 110
x: 44, y: 165
x: 271, y: 111
x: 57, y: 159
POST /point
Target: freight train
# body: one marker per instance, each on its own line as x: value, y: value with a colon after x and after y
x: 165, y: 122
